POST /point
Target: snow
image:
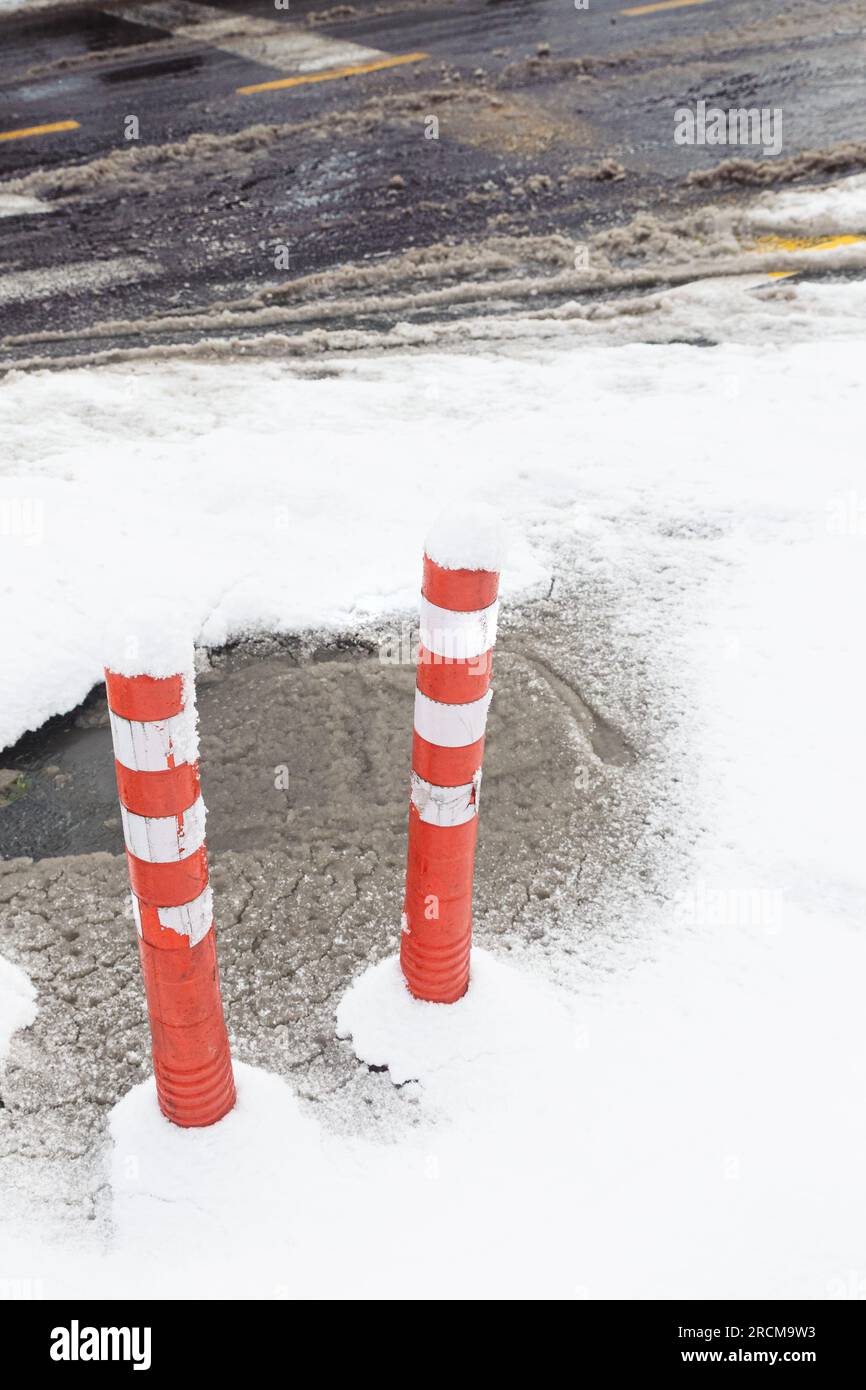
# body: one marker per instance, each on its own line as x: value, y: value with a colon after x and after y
x: 670, y: 1108
x: 502, y: 1025
x: 216, y: 500
x: 139, y: 639
x: 175, y: 487
x: 16, y: 205
x: 466, y: 540
x: 358, y: 1192
x: 837, y: 209
x: 17, y: 1002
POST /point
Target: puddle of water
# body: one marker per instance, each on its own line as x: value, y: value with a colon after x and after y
x: 87, y: 31
x: 298, y: 706
x: 110, y: 31
x: 163, y: 67
x: 70, y: 793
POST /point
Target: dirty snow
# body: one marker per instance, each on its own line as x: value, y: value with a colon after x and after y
x: 17, y: 205
x: 838, y: 209
x: 89, y: 277
x: 706, y: 274
x: 673, y: 1113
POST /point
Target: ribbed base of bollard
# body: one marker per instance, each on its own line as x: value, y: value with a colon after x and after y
x: 191, y: 1057
x: 437, y: 973
x: 194, y: 1099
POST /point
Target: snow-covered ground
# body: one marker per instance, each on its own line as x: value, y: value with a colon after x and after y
x: 676, y: 1117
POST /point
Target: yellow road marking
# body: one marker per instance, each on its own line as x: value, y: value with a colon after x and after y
x: 38, y: 130
x: 663, y: 5
x: 332, y: 73
x: 808, y: 243
x: 802, y: 243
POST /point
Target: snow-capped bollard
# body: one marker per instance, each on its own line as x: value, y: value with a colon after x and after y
x: 153, y: 726
x: 455, y: 662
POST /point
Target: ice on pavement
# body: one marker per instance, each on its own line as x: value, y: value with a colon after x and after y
x: 684, y: 1118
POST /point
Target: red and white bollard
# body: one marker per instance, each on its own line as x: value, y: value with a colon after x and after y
x: 455, y: 663
x: 153, y: 726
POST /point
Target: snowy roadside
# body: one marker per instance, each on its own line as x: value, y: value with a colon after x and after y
x: 680, y: 1116
x: 717, y: 272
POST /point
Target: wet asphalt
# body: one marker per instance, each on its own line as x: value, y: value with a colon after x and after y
x: 224, y: 194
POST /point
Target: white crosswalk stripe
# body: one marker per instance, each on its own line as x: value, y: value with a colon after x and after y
x: 275, y: 43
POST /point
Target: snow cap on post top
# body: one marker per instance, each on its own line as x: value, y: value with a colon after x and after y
x: 142, y: 641
x: 462, y: 559
x: 466, y: 539
x: 150, y: 674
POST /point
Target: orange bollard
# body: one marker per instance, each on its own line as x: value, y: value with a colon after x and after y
x: 452, y: 696
x: 153, y: 723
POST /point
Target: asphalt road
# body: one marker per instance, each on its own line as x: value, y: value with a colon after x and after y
x: 551, y: 121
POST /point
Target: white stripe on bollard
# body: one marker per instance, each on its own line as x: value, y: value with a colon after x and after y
x: 459, y: 636
x: 194, y: 919
x: 164, y: 839
x: 156, y: 745
x: 445, y: 805
x: 451, y: 726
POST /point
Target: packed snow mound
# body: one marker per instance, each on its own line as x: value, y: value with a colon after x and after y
x: 196, y: 1189
x: 556, y: 1146
x: 269, y: 1202
x: 506, y: 1024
